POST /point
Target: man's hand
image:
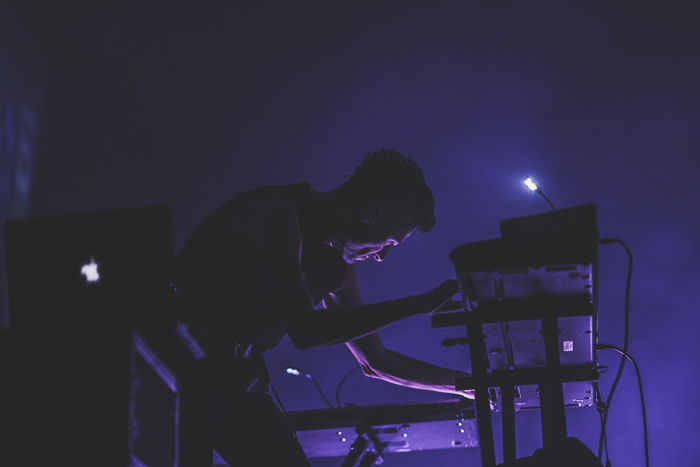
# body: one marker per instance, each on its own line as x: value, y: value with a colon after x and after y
x: 450, y: 305
x: 468, y: 393
x: 440, y: 295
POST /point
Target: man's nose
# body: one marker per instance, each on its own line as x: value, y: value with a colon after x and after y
x: 379, y: 256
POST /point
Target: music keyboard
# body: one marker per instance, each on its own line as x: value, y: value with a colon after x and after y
x: 399, y: 427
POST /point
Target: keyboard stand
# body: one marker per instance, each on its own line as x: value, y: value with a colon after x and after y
x: 548, y: 378
x: 529, y: 304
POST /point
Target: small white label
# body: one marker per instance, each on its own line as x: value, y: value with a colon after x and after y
x: 568, y: 346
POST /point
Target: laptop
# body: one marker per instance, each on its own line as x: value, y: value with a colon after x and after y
x: 83, y: 270
x: 84, y: 384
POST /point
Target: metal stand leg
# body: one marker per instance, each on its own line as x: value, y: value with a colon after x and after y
x: 475, y: 336
x: 368, y: 459
x: 508, y: 422
x: 552, y: 412
x: 356, y: 450
x: 484, y: 426
x: 367, y: 449
x: 551, y: 393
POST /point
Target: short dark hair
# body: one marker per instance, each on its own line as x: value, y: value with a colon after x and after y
x: 386, y: 173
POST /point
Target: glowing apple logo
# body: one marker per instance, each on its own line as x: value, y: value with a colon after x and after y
x: 90, y: 271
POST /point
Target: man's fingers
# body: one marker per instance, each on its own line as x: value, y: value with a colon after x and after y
x: 441, y: 295
x: 450, y: 305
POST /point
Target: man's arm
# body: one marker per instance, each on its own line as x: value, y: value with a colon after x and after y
x: 272, y: 229
x: 379, y: 362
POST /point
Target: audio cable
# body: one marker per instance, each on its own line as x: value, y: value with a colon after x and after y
x: 627, y: 356
x: 294, y: 371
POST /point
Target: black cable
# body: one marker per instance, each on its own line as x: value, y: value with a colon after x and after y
x: 341, y: 383
x: 641, y: 394
x: 602, y: 409
x: 605, y: 441
x: 625, y: 344
x: 299, y: 372
x: 541, y: 193
x: 323, y: 395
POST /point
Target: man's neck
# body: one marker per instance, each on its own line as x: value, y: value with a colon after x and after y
x: 328, y: 206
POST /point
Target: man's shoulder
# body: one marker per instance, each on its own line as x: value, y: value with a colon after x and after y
x: 269, y: 204
x: 271, y: 198
x: 270, y: 209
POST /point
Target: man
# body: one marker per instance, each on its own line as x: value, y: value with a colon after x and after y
x: 254, y: 271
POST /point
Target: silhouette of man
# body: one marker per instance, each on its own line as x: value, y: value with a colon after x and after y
x: 253, y: 272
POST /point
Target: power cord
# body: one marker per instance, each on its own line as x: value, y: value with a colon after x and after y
x: 602, y: 410
x: 299, y: 372
x: 338, y: 402
x: 602, y: 442
x: 641, y: 397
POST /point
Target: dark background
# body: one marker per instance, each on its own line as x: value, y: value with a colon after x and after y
x: 190, y: 103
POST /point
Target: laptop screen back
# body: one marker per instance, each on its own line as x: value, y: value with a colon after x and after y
x: 87, y: 269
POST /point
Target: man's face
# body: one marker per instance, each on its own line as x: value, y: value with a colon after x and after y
x: 376, y: 243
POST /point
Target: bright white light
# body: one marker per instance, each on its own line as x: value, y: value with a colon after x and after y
x: 530, y: 183
x: 90, y: 271
x: 293, y: 371
x: 568, y: 346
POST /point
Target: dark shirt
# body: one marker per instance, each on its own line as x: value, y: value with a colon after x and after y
x: 219, y: 278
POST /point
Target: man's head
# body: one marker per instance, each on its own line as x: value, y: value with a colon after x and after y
x: 387, y: 200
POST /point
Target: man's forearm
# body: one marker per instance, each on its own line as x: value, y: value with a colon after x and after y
x: 348, y: 322
x: 400, y: 369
